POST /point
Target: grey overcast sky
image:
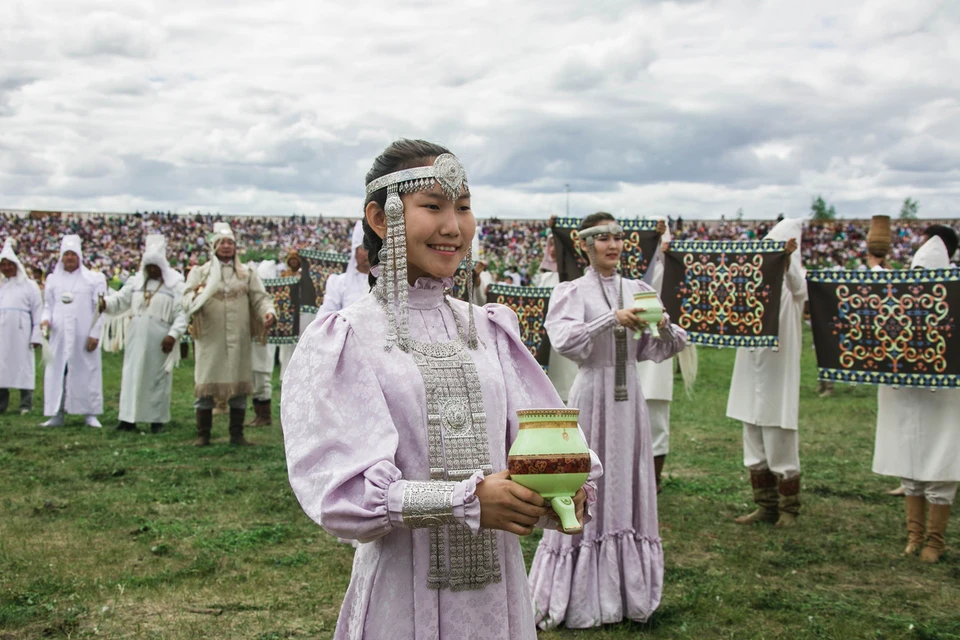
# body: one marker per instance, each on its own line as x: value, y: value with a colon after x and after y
x: 682, y: 108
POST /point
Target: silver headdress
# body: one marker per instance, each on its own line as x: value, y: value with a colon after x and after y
x: 589, y: 236
x: 449, y: 174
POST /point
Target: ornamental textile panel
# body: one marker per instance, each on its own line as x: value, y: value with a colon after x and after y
x: 640, y: 242
x: 316, y: 267
x: 286, y: 300
x: 530, y: 305
x: 887, y: 327
x: 460, y: 282
x: 725, y: 293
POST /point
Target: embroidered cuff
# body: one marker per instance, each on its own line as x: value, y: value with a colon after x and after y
x: 602, y: 323
x: 428, y: 504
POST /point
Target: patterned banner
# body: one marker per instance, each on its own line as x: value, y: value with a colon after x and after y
x: 725, y: 294
x: 316, y: 267
x: 887, y: 327
x: 530, y: 305
x: 286, y: 300
x: 640, y: 242
x: 460, y: 281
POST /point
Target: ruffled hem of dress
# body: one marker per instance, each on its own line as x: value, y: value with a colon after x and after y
x: 576, y: 586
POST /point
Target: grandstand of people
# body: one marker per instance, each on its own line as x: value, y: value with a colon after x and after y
x: 113, y: 243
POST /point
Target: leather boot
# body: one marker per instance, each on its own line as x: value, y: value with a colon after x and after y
x: 916, y: 523
x: 937, y: 519
x: 789, y: 503
x: 236, y: 427
x: 126, y: 426
x: 261, y: 411
x: 156, y: 427
x: 204, y: 425
x: 658, y: 469
x: 764, y: 485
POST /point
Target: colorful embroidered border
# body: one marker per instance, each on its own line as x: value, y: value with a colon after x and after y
x: 892, y: 379
x: 530, y: 304
x: 727, y: 246
x: 901, y: 276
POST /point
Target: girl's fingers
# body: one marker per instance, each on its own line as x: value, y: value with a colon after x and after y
x: 519, y: 530
x: 528, y: 496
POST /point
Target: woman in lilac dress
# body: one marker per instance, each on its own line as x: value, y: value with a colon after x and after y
x: 398, y: 413
x: 614, y: 570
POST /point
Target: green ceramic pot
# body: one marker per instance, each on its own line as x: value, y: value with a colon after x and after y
x: 652, y: 311
x: 550, y: 457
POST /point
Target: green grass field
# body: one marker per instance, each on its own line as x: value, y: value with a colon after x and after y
x: 120, y: 535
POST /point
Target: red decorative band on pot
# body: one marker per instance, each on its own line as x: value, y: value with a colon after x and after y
x: 549, y: 464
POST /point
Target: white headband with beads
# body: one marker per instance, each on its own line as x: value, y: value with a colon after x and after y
x: 449, y: 174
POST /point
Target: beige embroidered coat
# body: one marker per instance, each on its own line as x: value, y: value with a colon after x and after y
x: 222, y: 329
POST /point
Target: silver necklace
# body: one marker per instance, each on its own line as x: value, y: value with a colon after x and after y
x: 620, y: 343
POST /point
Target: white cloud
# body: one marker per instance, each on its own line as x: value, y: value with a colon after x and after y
x: 690, y: 108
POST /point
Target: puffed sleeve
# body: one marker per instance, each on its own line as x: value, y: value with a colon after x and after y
x: 794, y: 280
x: 332, y: 295
x: 527, y: 385
x: 99, y: 288
x: 119, y: 301
x: 570, y: 334
x: 260, y: 298
x: 341, y: 443
x: 36, y: 313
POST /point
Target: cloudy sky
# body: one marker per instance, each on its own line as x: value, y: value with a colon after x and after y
x: 683, y: 108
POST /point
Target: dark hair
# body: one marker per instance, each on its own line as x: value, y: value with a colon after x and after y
x: 594, y: 219
x: 948, y: 235
x: 400, y: 155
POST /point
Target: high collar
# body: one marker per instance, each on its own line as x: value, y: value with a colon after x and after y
x: 427, y: 293
x: 604, y: 278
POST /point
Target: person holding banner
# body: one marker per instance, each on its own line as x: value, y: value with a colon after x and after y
x: 227, y: 306
x: 343, y: 289
x: 918, y: 440
x: 656, y: 378
x: 765, y: 396
x: 614, y: 570
x: 157, y: 323
x: 20, y: 307
x: 72, y: 378
x: 262, y: 357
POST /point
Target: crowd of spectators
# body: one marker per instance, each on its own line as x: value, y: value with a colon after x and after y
x: 512, y: 249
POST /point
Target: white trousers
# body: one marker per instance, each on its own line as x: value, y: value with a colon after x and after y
x: 286, y: 352
x: 659, y: 412
x: 771, y: 448
x: 262, y: 388
x: 934, y: 492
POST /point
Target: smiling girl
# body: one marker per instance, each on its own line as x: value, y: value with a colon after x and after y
x: 398, y: 413
x: 616, y: 565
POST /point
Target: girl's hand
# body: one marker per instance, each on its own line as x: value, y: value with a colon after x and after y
x: 507, y: 506
x: 628, y: 318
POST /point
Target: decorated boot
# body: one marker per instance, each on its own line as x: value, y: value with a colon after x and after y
x: 764, y: 485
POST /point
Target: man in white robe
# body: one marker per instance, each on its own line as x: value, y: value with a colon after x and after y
x: 72, y: 379
x: 20, y: 307
x: 343, y: 289
x: 918, y: 439
x: 765, y: 396
x: 262, y: 356
x: 656, y: 378
x: 153, y: 297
